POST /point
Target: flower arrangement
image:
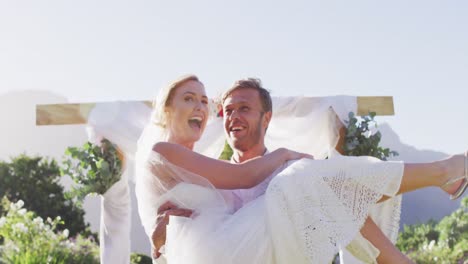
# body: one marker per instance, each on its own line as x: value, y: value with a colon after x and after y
x: 360, y: 139
x: 93, y: 168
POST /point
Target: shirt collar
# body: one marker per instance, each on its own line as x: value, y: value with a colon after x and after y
x: 264, y: 153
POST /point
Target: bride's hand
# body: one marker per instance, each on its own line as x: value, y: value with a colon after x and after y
x: 294, y: 155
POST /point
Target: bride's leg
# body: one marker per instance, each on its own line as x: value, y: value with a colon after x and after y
x: 415, y: 176
x: 420, y: 175
x: 389, y: 253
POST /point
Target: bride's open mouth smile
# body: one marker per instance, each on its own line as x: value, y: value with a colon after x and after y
x: 196, y: 122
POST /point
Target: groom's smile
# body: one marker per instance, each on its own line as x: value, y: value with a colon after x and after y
x: 243, y: 117
x: 236, y: 130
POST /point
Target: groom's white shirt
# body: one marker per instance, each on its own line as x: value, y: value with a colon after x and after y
x: 243, y: 196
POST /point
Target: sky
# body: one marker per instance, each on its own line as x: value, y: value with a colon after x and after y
x: 94, y: 51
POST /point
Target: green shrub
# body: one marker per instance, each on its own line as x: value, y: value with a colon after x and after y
x: 137, y: 258
x: 27, y: 238
x: 35, y: 180
x: 443, y: 242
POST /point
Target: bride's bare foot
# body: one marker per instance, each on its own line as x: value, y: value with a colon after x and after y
x: 455, y: 180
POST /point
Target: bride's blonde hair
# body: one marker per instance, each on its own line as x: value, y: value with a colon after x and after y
x: 164, y: 98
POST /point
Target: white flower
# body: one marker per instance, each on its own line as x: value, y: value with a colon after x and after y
x: 19, y: 204
x: 368, y: 134
x: 431, y: 244
x: 49, y: 220
x: 50, y: 234
x: 21, y: 227
x: 2, y: 221
x: 22, y: 211
x: 15, y: 248
x: 69, y: 243
x: 424, y: 247
x: 38, y: 220
x: 66, y: 233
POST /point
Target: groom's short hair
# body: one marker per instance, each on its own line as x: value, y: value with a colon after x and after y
x: 252, y: 83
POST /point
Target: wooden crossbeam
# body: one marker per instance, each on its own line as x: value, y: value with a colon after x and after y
x: 72, y: 114
x: 62, y: 114
x: 381, y: 105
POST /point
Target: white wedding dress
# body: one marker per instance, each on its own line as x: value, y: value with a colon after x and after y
x: 309, y: 211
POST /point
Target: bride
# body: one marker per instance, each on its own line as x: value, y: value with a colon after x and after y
x: 309, y: 211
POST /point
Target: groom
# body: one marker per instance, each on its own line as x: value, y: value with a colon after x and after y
x: 247, y: 111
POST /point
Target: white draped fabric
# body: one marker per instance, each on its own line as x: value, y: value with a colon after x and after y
x: 305, y: 124
x: 121, y: 123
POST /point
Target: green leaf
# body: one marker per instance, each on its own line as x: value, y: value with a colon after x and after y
x: 105, y: 169
x: 97, y: 169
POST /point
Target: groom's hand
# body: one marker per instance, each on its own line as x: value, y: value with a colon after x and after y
x: 159, y: 233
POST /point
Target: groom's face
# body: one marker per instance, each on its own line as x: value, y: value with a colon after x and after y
x: 245, y: 122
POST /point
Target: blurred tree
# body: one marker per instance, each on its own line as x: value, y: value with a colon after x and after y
x: 35, y: 180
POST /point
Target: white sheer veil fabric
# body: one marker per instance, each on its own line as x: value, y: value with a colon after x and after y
x: 307, y: 124
x: 121, y: 123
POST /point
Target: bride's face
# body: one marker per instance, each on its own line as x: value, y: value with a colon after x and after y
x: 187, y: 113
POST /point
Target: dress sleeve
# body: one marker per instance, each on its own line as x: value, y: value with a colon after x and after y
x: 121, y: 123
